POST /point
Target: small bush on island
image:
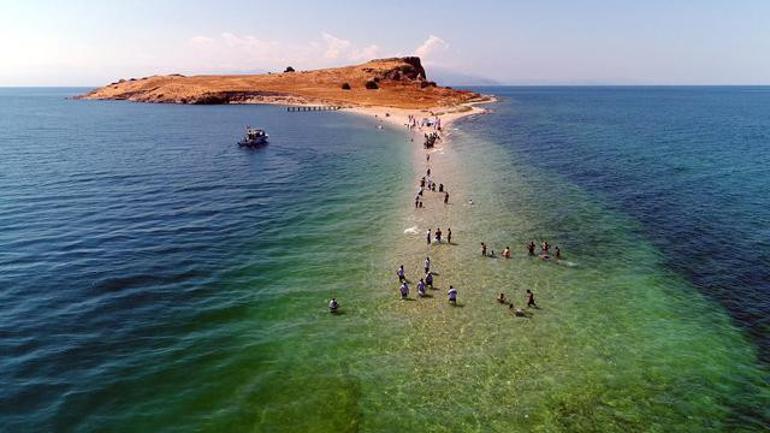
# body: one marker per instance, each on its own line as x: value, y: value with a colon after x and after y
x: 345, y: 86
x: 288, y: 69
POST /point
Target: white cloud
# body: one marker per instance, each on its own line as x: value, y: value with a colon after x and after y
x: 335, y: 47
x: 231, y: 51
x: 249, y: 43
x: 342, y: 49
x: 366, y: 53
x: 431, y: 46
x: 201, y: 40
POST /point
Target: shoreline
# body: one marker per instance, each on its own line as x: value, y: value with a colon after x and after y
x: 398, y: 117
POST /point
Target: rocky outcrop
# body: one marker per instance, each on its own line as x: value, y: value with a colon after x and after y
x: 404, y: 69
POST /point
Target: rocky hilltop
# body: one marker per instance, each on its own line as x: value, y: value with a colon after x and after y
x: 399, y: 82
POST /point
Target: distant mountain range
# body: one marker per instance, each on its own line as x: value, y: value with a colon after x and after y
x: 448, y: 77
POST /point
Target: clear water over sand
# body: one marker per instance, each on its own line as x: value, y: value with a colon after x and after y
x: 156, y: 278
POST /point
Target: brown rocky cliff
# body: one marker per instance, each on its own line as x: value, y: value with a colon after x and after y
x: 400, y: 82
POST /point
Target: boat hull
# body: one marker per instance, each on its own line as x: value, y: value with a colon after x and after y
x: 251, y: 143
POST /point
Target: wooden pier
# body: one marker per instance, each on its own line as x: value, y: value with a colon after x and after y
x: 314, y: 108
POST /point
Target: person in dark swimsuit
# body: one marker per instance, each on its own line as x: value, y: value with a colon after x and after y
x: 531, y: 299
x: 531, y: 248
x: 449, y: 235
x: 483, y: 249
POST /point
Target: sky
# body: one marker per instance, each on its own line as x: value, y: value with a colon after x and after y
x: 90, y: 43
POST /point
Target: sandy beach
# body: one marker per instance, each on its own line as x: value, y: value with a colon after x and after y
x: 399, y: 117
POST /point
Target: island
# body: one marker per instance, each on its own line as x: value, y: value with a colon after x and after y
x: 399, y: 82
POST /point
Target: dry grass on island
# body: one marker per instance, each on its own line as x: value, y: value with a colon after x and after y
x: 396, y: 82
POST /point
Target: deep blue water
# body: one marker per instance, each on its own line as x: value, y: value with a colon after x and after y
x: 137, y: 242
x: 689, y: 164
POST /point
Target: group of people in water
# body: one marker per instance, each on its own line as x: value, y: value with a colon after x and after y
x: 544, y: 251
x: 430, y: 140
x: 426, y: 282
x: 427, y: 183
x: 519, y: 312
x: 422, y: 285
x: 430, y: 236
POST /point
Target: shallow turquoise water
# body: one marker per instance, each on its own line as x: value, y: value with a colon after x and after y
x: 157, y: 278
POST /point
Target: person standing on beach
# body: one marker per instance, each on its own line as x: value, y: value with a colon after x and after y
x: 427, y: 264
x: 401, y: 274
x: 452, y: 295
x: 449, y: 235
x: 429, y: 172
x: 428, y: 237
x: 531, y: 299
x: 483, y: 249
x: 446, y: 197
x: 438, y: 234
